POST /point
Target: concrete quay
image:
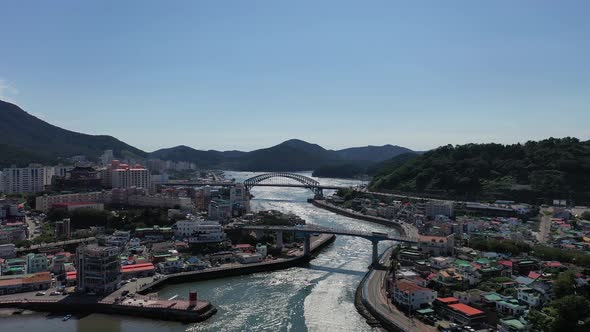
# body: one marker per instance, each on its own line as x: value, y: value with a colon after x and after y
x: 403, y: 228
x: 139, y: 306
x: 229, y: 270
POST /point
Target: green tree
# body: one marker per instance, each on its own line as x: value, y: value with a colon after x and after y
x: 573, y: 314
x: 540, y: 320
x: 564, y: 284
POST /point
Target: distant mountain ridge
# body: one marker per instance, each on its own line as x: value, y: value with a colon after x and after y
x: 291, y: 155
x: 25, y: 139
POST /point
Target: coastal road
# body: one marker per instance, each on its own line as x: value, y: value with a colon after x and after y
x: 544, y: 226
x: 375, y: 295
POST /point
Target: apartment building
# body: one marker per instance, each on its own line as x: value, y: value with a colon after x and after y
x: 26, y: 180
x: 45, y: 203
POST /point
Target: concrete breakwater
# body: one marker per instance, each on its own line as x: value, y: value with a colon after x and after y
x: 180, y: 311
x: 215, y: 273
x: 351, y: 214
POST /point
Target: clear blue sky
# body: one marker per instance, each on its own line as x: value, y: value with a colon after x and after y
x: 249, y: 74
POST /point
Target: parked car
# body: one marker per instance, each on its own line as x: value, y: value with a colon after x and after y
x: 40, y: 293
x: 125, y: 292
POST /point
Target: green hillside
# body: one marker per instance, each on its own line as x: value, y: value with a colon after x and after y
x: 551, y: 166
x: 25, y: 139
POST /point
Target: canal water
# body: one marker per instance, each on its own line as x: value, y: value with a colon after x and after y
x: 319, y: 297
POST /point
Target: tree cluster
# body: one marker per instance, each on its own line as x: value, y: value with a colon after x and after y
x: 547, y: 167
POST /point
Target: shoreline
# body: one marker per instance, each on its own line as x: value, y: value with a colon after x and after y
x: 153, y: 308
x: 185, y: 277
x: 82, y: 305
x: 343, y: 212
x: 361, y: 302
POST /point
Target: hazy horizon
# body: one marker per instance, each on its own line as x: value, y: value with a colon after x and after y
x: 249, y: 75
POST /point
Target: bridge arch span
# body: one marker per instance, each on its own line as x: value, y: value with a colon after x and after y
x: 307, y: 182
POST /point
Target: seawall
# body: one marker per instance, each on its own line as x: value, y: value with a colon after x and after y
x: 343, y: 212
x: 216, y: 273
x: 82, y: 305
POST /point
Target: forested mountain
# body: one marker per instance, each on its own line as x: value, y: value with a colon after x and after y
x: 205, y: 159
x: 25, y: 139
x: 372, y: 153
x: 548, y: 166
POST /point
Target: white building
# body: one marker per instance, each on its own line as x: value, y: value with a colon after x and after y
x: 437, y: 245
x: 36, y: 263
x: 438, y: 208
x: 199, y: 231
x: 409, y: 295
x: 62, y: 171
x: 45, y: 203
x: 118, y: 239
x: 7, y: 250
x: 118, y: 175
x: 529, y: 296
x: 245, y: 258
x: 32, y: 179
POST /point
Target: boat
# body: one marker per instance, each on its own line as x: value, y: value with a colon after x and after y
x: 67, y: 317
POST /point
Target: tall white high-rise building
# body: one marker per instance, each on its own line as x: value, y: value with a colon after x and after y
x: 120, y: 175
x: 32, y: 179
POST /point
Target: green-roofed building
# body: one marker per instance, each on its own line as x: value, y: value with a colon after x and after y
x: 492, y: 298
x: 512, y: 325
x: 483, y: 261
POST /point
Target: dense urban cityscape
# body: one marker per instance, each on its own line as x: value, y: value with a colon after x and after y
x: 105, y: 236
x: 295, y: 166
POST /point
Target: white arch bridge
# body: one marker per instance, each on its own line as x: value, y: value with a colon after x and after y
x: 274, y: 179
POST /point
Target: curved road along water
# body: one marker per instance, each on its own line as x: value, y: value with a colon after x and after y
x: 316, y: 298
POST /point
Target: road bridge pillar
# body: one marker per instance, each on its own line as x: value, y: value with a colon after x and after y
x: 375, y: 256
x: 307, y: 246
x: 279, y: 235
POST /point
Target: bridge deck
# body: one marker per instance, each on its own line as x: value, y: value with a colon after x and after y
x: 325, y: 230
x: 231, y: 184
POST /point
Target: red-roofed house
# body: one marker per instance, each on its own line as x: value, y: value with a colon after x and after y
x: 411, y: 296
x: 463, y: 314
x: 71, y: 278
x: 552, y: 264
x: 534, y: 275
x: 137, y: 270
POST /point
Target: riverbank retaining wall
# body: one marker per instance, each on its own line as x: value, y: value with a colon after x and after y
x: 184, y: 277
x: 382, y: 221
